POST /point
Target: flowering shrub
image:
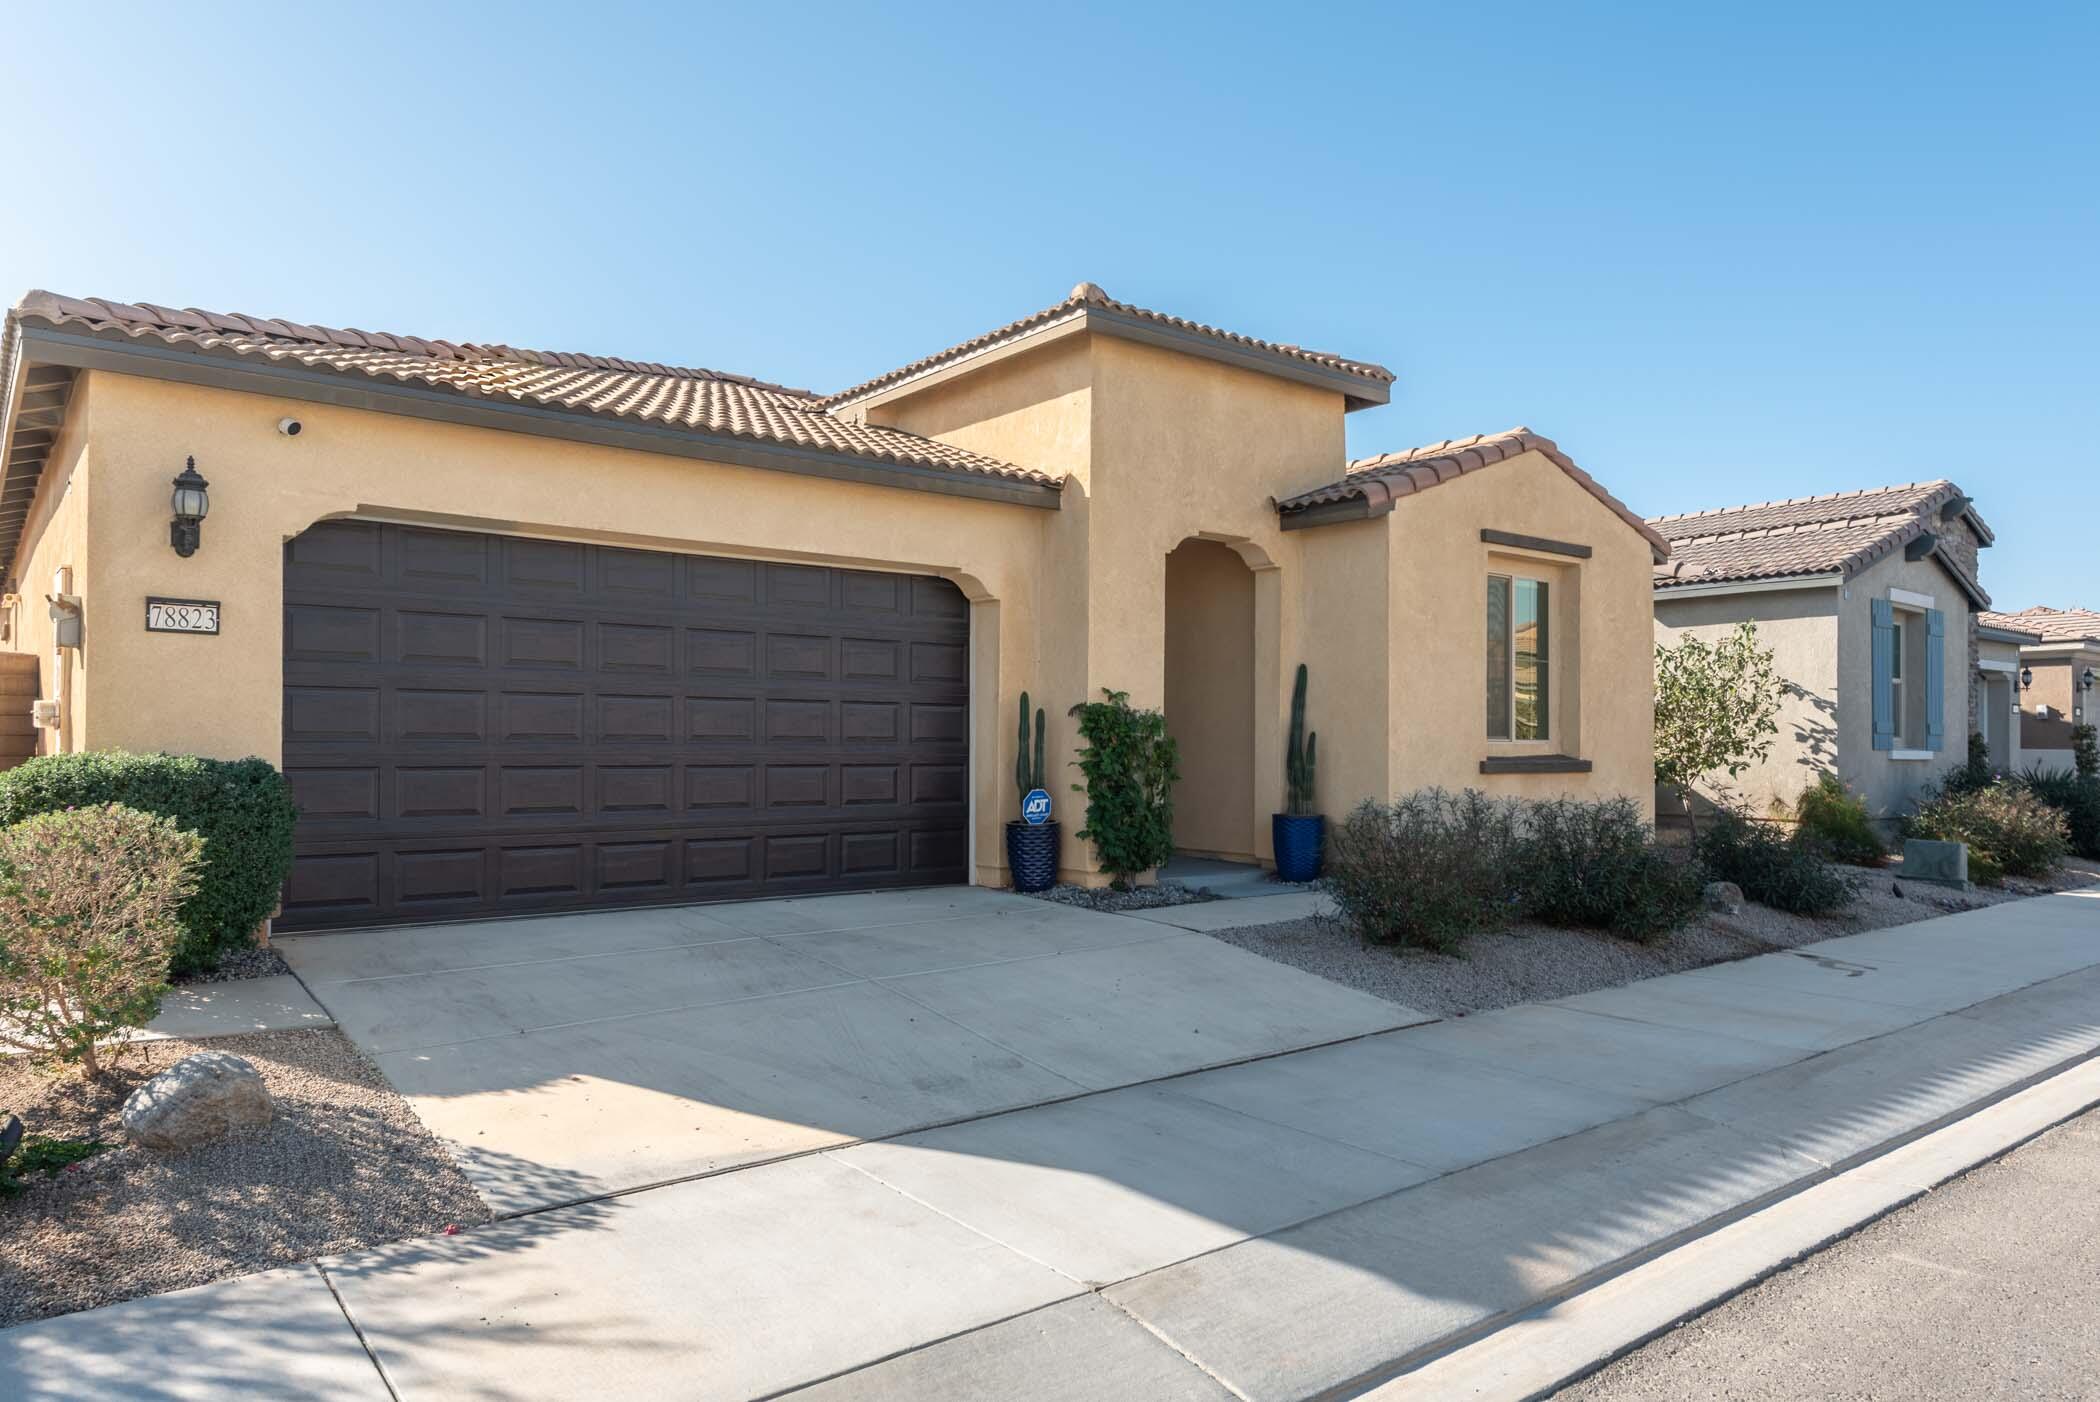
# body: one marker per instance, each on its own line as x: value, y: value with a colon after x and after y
x: 88, y: 920
x: 2015, y: 832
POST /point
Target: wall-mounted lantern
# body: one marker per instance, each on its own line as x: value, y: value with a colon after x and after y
x: 2085, y: 679
x: 191, y: 503
x: 2026, y: 677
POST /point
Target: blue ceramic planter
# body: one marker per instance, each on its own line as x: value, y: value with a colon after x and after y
x: 1031, y: 855
x: 1301, y: 842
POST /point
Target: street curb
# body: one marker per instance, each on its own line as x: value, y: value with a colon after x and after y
x: 1554, y: 1344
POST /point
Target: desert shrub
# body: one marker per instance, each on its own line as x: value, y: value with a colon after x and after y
x: 2074, y: 796
x: 1130, y: 764
x: 37, y: 1154
x: 1835, y: 819
x: 241, y: 808
x: 1425, y: 870
x: 88, y: 902
x: 1790, y: 874
x: 2013, y: 829
x: 1595, y: 864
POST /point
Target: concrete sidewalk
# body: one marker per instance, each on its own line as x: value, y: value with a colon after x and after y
x: 1279, y: 1229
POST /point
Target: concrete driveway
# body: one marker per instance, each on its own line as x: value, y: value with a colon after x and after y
x: 571, y: 1056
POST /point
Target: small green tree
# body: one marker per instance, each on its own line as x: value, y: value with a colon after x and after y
x: 1130, y: 764
x: 1716, y: 709
x: 2085, y: 751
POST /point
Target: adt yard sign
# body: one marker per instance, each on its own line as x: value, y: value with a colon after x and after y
x: 182, y: 615
x: 1035, y: 808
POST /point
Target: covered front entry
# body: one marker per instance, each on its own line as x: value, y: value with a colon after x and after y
x: 482, y: 725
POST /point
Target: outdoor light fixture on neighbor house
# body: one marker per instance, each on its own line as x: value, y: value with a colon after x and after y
x: 191, y: 503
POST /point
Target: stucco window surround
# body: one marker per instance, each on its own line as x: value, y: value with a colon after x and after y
x: 1529, y: 624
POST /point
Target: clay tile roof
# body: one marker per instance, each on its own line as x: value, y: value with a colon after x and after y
x: 709, y: 402
x: 1089, y: 296
x: 2050, y: 625
x: 1840, y: 533
x: 1392, y: 475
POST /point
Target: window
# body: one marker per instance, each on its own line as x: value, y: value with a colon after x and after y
x: 1519, y: 696
x: 1896, y: 713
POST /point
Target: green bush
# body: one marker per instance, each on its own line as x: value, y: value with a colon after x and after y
x: 1836, y: 820
x: 1595, y: 864
x: 2014, y: 830
x: 1786, y: 874
x: 1426, y: 870
x: 241, y: 808
x: 2077, y: 798
x: 1130, y: 766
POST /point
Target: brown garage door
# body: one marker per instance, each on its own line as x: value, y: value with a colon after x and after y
x: 480, y: 725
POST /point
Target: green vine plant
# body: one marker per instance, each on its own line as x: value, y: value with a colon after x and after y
x: 1130, y: 765
x: 1301, y: 759
x: 1028, y: 765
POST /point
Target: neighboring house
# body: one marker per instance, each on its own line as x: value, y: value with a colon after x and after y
x: 1999, y: 644
x: 1868, y: 600
x: 535, y: 631
x: 2062, y: 667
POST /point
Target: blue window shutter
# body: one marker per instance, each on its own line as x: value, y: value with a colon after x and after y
x: 1884, y: 673
x: 1935, y: 679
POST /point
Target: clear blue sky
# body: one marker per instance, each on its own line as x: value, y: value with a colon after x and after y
x: 1721, y: 253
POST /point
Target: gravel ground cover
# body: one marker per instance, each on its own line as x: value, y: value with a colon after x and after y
x: 1528, y: 963
x: 241, y: 964
x: 345, y: 1164
x: 1153, y: 897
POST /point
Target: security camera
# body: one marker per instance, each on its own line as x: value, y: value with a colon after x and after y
x: 289, y: 427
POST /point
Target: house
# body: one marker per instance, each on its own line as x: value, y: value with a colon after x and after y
x: 535, y: 631
x: 1999, y: 645
x: 1868, y: 600
x: 2060, y: 665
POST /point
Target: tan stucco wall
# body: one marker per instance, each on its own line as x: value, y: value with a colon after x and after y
x: 54, y: 537
x: 222, y: 695
x: 1210, y: 698
x: 1345, y: 644
x: 1800, y: 626
x: 1601, y: 648
x: 1156, y: 448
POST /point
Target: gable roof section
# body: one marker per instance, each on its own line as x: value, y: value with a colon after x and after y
x: 1837, y: 535
x: 1087, y: 307
x: 1373, y: 486
x: 673, y: 408
x: 2050, y: 625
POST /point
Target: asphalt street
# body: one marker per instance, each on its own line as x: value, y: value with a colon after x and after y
x: 1986, y: 1288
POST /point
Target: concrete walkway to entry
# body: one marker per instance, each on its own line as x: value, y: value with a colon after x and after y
x: 1290, y: 1226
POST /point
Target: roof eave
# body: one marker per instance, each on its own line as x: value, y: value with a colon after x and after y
x: 1357, y: 391
x: 224, y: 369
x: 1764, y: 584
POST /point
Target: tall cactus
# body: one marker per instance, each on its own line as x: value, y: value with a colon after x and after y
x: 1301, y: 762
x: 1028, y: 764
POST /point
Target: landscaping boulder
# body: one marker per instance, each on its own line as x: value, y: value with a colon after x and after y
x: 195, y: 1101
x: 1725, y: 897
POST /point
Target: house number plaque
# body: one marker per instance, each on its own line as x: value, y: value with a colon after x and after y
x: 182, y: 615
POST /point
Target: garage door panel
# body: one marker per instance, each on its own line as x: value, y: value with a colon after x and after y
x: 477, y: 724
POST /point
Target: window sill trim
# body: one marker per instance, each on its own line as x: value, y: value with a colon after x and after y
x: 1534, y: 764
x: 1911, y: 756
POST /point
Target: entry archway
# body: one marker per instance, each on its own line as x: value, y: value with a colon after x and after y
x: 1210, y: 657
